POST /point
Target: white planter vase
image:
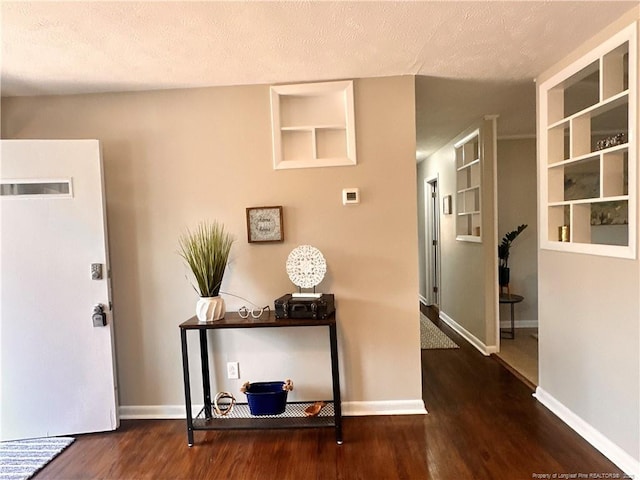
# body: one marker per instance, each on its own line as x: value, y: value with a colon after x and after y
x: 209, y: 309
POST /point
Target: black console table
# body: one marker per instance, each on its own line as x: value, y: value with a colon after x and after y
x: 240, y: 418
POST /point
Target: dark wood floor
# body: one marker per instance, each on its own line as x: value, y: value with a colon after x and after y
x: 482, y: 424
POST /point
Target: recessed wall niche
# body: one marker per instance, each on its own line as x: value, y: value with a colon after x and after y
x: 313, y: 125
x: 468, y: 188
x: 589, y: 152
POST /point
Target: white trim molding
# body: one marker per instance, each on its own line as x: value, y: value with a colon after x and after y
x: 155, y: 412
x: 386, y: 407
x: 523, y: 136
x: 486, y: 350
x: 349, y: 409
x: 613, y: 452
x: 423, y: 300
x: 519, y: 324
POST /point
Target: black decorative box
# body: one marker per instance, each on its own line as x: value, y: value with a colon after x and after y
x: 289, y: 306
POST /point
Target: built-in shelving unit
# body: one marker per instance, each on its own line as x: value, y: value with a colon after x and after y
x: 313, y: 125
x: 588, y: 152
x: 468, y: 188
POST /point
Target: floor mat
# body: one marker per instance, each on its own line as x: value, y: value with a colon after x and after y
x: 21, y: 459
x: 432, y: 338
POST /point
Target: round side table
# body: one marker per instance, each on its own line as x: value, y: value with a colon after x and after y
x: 511, y: 299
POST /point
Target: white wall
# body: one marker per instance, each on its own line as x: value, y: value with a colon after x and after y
x: 517, y: 204
x: 173, y: 158
x: 589, y: 314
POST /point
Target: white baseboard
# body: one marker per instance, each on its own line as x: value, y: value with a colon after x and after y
x: 389, y: 407
x: 622, y: 459
x: 349, y: 409
x: 155, y: 412
x: 519, y: 324
x: 423, y: 299
x: 468, y: 336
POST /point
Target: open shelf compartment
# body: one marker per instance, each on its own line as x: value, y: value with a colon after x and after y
x: 240, y: 418
x: 589, y: 153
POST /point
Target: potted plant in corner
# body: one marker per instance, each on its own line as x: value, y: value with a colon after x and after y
x: 503, y: 256
x: 206, y: 252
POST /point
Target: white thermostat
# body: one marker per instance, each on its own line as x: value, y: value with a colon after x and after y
x: 350, y: 196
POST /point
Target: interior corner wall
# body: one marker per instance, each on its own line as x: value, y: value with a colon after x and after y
x: 589, y: 324
x: 517, y: 204
x: 468, y: 270
x: 174, y: 158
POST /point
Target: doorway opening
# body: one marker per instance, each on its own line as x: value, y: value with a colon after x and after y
x: 517, y: 205
x: 432, y: 242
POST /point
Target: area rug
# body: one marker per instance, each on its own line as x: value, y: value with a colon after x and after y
x: 432, y: 338
x: 21, y: 459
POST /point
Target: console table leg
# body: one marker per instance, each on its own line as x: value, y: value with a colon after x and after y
x: 513, y: 328
x: 187, y: 386
x: 206, y: 382
x: 335, y: 373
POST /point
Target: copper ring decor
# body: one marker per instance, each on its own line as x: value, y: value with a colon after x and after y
x: 223, y: 409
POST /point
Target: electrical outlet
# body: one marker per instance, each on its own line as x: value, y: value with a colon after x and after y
x: 233, y: 371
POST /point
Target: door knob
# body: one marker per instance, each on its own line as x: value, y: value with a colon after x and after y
x: 99, y: 317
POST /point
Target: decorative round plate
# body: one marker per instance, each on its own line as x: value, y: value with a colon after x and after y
x: 306, y: 266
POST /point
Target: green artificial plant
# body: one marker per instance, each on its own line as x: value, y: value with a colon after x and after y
x: 505, y: 245
x: 206, y: 251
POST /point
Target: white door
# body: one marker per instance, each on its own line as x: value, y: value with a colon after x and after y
x: 57, y: 368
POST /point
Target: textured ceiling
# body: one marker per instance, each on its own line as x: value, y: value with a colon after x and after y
x: 82, y: 47
x: 446, y: 107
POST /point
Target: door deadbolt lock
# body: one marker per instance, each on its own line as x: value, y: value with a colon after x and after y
x: 99, y: 316
x: 96, y: 271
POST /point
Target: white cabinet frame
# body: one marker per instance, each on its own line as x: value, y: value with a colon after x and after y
x: 565, y: 141
x: 313, y: 125
x: 469, y: 166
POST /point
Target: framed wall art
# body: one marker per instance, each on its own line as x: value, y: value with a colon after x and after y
x: 264, y: 224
